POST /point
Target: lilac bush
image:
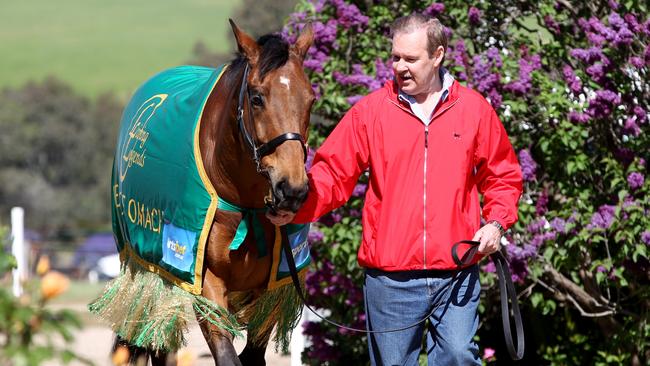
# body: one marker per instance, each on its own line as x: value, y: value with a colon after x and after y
x: 570, y: 82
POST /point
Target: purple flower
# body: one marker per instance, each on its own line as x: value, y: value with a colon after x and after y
x: 587, y: 56
x: 526, y: 66
x: 315, y: 60
x: 646, y: 27
x: 490, y: 267
x: 604, y: 103
x: 494, y: 57
x: 458, y: 54
x: 357, y: 77
x: 640, y: 113
x: 315, y: 87
x: 353, y: 99
x: 603, y: 218
x: 536, y: 226
x: 631, y: 128
x: 474, y: 15
x: 645, y: 237
x: 383, y: 72
x: 315, y: 236
x: 572, y: 80
x: 599, y: 27
x: 576, y: 117
x: 349, y: 15
x: 613, y: 4
x: 528, y: 165
x: 310, y: 158
x: 542, y: 202
x: 488, y: 353
x: 559, y: 225
x: 435, y: 9
x: 636, y: 62
x: 633, y: 23
x: 596, y: 71
x: 635, y: 180
x: 484, y: 80
x: 595, y: 39
x: 551, y: 24
x: 359, y: 190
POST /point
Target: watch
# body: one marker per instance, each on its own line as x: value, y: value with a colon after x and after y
x: 498, y: 225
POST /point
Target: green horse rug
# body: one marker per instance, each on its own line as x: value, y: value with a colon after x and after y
x: 163, y: 205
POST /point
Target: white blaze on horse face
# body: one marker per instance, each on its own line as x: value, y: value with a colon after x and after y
x: 285, y: 81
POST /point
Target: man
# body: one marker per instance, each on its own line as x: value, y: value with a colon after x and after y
x: 431, y: 146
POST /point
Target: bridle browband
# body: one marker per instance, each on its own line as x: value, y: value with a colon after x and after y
x: 265, y: 148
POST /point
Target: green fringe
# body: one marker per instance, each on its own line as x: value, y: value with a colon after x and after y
x: 280, y: 308
x: 149, y: 312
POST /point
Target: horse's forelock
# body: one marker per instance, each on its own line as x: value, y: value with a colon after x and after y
x: 275, y: 53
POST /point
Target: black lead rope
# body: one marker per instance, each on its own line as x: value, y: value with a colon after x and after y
x: 505, y: 286
x: 506, y: 292
x: 296, y: 283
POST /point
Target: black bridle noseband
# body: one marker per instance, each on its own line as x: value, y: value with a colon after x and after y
x: 265, y: 148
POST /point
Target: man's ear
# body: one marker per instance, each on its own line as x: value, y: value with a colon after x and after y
x: 305, y: 40
x: 438, y: 56
x: 246, y: 44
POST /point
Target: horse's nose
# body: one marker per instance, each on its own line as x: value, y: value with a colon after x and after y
x: 290, y: 197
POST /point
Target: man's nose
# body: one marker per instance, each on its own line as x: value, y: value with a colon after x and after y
x: 400, y: 66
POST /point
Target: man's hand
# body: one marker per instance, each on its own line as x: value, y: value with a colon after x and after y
x: 490, y: 238
x: 281, y: 218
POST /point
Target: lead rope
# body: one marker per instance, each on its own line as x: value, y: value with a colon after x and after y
x: 296, y: 282
x: 505, y: 285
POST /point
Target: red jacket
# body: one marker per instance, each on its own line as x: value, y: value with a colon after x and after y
x: 424, y: 180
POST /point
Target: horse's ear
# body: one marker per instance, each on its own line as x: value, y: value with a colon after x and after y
x: 246, y: 44
x: 304, y: 41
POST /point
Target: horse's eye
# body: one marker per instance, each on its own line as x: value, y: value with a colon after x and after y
x: 257, y: 100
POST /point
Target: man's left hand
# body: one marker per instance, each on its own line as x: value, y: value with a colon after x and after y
x: 490, y: 238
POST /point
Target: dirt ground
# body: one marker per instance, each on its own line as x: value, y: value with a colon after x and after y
x: 94, y: 342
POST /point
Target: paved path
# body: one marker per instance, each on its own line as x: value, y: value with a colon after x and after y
x: 95, y: 342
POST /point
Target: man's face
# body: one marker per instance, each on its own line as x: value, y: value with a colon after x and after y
x: 414, y: 68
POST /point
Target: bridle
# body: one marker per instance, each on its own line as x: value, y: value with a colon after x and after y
x: 265, y: 148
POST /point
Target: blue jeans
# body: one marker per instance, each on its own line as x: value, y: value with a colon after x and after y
x: 398, y: 299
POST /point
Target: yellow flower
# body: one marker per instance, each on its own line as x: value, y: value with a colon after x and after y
x: 185, y: 357
x: 54, y: 284
x: 120, y: 356
x: 43, y: 265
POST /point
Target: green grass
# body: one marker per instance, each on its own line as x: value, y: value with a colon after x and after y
x: 99, y: 45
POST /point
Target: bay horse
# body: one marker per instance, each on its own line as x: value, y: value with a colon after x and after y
x: 280, y: 99
x: 252, y: 144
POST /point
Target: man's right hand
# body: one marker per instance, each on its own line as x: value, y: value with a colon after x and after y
x: 281, y: 217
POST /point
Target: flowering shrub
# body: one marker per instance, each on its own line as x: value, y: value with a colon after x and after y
x: 28, y: 330
x: 570, y: 82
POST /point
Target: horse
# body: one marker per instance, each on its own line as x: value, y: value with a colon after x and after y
x: 252, y: 146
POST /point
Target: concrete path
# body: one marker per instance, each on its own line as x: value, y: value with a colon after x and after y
x: 94, y: 342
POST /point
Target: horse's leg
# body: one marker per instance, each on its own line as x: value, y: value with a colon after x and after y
x: 160, y: 359
x: 253, y: 353
x: 137, y: 355
x: 219, y: 340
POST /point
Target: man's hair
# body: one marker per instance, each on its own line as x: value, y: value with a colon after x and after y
x: 436, y: 35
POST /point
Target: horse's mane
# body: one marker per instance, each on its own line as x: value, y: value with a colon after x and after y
x: 274, y: 54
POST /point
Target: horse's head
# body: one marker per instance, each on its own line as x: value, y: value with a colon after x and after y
x: 275, y: 100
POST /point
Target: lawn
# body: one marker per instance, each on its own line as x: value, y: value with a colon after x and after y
x: 98, y: 46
